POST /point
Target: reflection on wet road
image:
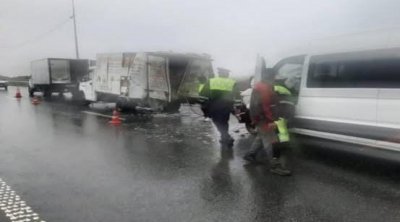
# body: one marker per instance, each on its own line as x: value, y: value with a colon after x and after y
x: 72, y: 166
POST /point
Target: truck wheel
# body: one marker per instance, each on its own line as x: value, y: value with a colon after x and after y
x: 121, y: 104
x: 124, y: 105
x: 172, y: 107
x: 31, y: 92
x: 6, y: 88
x: 79, y: 98
x: 78, y: 95
x: 46, y: 93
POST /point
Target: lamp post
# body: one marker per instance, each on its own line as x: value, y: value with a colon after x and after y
x: 75, y: 34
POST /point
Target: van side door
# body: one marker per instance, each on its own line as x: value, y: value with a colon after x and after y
x: 333, y: 98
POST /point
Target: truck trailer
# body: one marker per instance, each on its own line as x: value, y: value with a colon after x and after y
x: 159, y: 81
x: 57, y: 75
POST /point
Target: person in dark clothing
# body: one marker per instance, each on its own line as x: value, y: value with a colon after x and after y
x: 220, y: 92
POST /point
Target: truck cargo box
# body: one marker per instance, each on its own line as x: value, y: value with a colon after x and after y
x: 57, y: 74
x: 147, y: 78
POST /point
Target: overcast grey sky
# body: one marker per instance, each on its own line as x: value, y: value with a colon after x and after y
x: 233, y: 32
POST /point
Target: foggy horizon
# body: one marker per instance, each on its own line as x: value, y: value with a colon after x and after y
x: 232, y: 33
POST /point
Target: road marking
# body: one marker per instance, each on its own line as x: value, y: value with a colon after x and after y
x: 99, y: 114
x: 14, y: 207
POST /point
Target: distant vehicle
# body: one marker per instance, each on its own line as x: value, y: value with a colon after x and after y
x: 159, y: 81
x: 4, y: 84
x: 57, y: 75
x: 351, y: 97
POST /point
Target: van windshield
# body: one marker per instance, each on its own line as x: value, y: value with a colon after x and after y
x: 288, y: 72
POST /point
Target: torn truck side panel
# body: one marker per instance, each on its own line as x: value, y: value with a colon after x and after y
x: 147, y: 79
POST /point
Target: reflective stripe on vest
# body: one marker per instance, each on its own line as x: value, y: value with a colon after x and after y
x: 223, y: 84
x: 201, y: 86
x: 283, y: 133
x: 282, y: 90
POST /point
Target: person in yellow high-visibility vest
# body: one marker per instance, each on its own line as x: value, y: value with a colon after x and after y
x: 203, y: 103
x: 283, y: 111
x: 220, y: 92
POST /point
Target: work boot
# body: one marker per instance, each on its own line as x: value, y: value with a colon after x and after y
x: 279, y: 170
x: 274, y: 163
x: 250, y: 157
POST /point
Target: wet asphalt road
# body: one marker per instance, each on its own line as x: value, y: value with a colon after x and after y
x: 72, y: 166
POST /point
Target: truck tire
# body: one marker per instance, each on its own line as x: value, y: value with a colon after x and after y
x: 78, y: 95
x: 47, y: 93
x: 79, y: 98
x: 124, y: 105
x: 31, y: 91
x: 172, y: 107
x: 6, y: 88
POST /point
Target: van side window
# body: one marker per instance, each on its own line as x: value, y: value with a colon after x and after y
x: 324, y: 75
x: 357, y: 72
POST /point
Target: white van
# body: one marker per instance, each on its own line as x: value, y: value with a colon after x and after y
x: 351, y: 97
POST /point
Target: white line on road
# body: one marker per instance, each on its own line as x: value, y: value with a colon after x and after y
x: 14, y: 207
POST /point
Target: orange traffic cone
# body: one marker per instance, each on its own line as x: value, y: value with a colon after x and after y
x: 18, y: 93
x: 115, y: 119
x: 35, y: 101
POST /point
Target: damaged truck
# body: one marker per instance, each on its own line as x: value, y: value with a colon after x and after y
x: 156, y: 81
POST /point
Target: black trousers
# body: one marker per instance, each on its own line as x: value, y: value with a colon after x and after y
x: 220, y: 112
x: 204, y: 109
x: 281, y: 152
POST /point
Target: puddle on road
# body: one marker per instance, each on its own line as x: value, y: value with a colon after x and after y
x: 174, y: 129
